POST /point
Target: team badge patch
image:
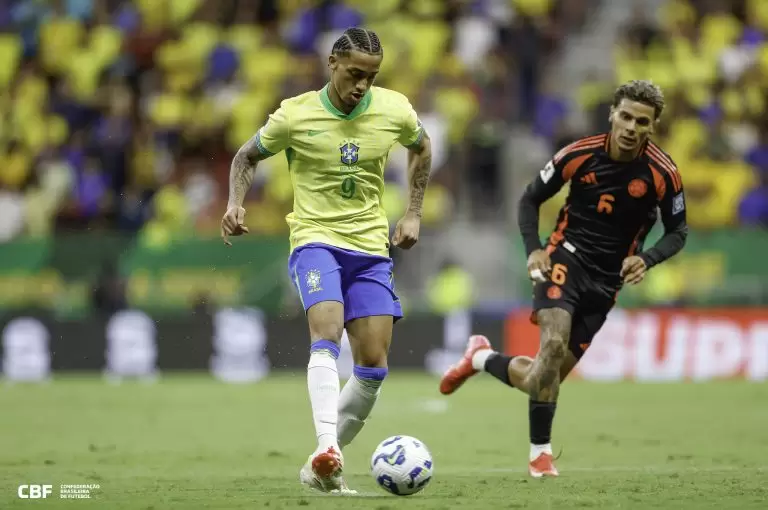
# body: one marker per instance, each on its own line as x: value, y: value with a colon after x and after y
x: 313, y: 280
x: 547, y: 172
x: 637, y: 188
x: 554, y: 292
x: 678, y: 203
x: 349, y: 153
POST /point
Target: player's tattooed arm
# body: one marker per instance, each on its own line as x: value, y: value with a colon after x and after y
x: 543, y: 379
x: 242, y: 171
x: 419, y: 168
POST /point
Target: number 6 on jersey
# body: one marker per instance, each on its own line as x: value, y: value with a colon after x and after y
x: 605, y: 205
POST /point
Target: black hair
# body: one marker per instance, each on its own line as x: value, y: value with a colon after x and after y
x: 641, y: 91
x: 357, y: 39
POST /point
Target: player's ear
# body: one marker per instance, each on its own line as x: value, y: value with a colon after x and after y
x: 610, y: 114
x: 333, y: 62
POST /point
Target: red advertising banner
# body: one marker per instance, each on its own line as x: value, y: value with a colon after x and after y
x: 664, y: 344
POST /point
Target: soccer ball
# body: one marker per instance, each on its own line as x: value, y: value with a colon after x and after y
x: 402, y: 465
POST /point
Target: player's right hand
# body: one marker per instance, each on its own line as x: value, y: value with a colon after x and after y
x: 232, y: 224
x: 539, y: 265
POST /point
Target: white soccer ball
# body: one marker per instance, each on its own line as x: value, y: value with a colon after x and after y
x: 402, y: 465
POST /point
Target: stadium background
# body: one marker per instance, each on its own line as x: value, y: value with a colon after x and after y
x: 118, y: 120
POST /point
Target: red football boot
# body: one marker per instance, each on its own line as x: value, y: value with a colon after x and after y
x: 455, y: 376
x: 543, y: 465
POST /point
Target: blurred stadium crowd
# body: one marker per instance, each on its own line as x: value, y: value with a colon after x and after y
x: 711, y: 59
x: 125, y: 114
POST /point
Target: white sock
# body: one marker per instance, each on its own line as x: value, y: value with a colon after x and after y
x: 323, y: 385
x: 538, y: 449
x: 355, y: 404
x: 480, y: 357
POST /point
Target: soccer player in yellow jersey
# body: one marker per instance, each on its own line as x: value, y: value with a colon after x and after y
x: 337, y: 141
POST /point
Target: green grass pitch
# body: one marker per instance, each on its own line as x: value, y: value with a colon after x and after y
x: 189, y: 442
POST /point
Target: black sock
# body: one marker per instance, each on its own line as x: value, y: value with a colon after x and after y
x: 540, y: 417
x: 496, y: 365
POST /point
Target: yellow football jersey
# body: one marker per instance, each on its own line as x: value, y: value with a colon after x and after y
x: 337, y: 163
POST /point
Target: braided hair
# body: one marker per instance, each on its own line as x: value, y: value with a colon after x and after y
x: 357, y: 39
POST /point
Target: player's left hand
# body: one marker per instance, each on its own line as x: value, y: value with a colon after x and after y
x: 407, y: 231
x: 633, y: 270
x: 233, y: 224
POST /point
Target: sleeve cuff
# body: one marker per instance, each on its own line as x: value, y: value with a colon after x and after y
x: 648, y: 262
x: 531, y: 245
x: 416, y: 142
x: 260, y: 145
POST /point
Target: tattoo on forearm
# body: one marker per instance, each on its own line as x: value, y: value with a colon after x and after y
x: 420, y: 165
x: 543, y: 379
x: 242, y: 171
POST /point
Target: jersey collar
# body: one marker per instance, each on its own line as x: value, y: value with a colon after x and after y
x: 360, y: 108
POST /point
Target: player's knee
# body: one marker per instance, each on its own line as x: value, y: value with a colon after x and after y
x: 326, y: 322
x: 554, y: 348
x: 327, y: 331
x: 372, y: 358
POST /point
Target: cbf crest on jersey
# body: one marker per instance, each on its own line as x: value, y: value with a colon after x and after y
x: 313, y: 281
x: 350, y: 152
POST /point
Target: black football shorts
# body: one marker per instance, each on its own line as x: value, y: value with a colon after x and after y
x: 572, y: 288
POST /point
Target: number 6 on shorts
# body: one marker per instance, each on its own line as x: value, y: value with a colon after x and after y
x: 559, y: 274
